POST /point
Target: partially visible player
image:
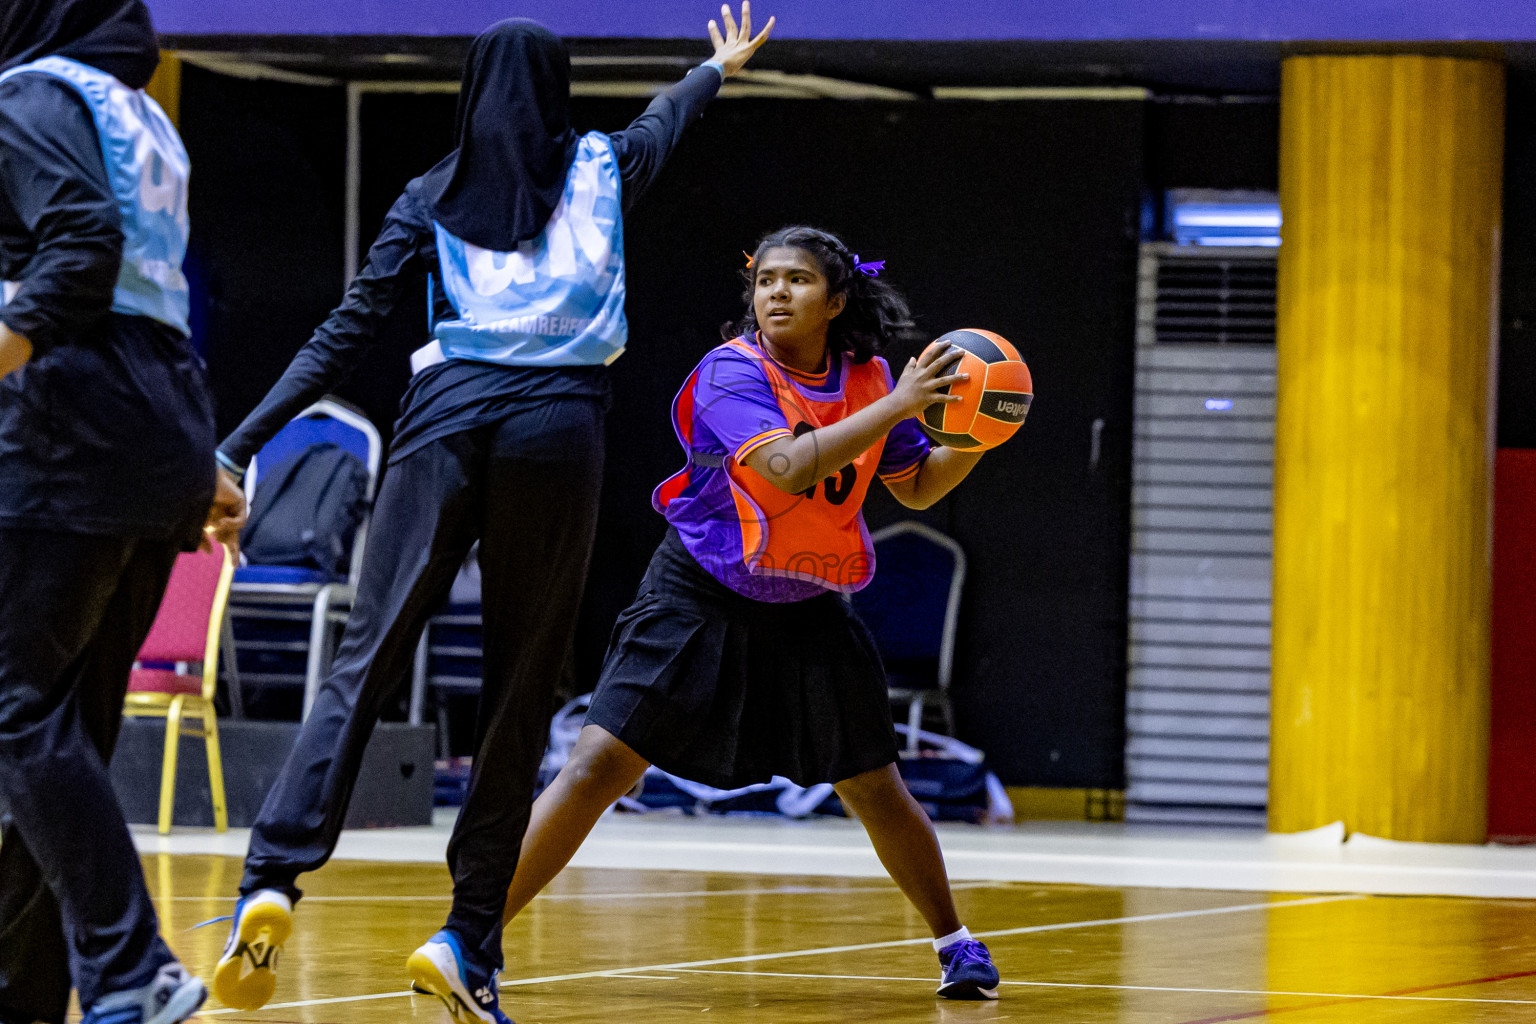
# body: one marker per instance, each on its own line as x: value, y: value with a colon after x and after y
x: 106, y: 442
x: 739, y: 660
x: 500, y: 439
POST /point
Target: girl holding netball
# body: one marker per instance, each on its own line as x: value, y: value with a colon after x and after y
x: 739, y: 660
x: 500, y: 439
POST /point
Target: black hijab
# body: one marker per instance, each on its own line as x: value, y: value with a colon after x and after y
x: 514, y: 138
x: 115, y: 36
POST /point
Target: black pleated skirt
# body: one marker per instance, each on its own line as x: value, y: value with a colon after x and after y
x: 723, y: 690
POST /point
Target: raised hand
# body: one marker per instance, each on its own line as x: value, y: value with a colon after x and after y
x: 737, y: 45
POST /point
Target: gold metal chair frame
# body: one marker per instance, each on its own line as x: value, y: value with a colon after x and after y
x: 176, y: 708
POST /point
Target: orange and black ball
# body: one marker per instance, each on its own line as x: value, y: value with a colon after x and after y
x: 995, y: 400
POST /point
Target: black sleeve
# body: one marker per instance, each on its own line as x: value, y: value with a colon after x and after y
x: 54, y: 179
x: 350, y: 330
x: 643, y: 148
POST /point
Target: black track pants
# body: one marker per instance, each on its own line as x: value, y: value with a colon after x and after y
x: 74, y: 610
x: 527, y: 488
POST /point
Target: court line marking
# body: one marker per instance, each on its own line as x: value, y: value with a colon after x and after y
x: 616, y: 972
x: 1128, y: 988
x: 788, y: 890
x: 312, y: 1002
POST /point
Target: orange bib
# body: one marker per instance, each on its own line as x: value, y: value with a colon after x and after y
x: 817, y: 535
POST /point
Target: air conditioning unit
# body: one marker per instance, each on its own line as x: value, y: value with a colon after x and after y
x: 1197, y: 746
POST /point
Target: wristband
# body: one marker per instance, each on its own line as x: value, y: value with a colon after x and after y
x: 716, y: 65
x: 225, y: 461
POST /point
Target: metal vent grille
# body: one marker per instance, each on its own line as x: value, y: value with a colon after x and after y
x: 1226, y: 297
x: 1202, y: 521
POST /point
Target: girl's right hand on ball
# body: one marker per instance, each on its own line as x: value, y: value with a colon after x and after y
x: 738, y: 44
x: 923, y: 380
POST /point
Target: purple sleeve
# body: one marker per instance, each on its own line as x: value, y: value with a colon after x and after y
x: 734, y: 404
x: 906, y: 446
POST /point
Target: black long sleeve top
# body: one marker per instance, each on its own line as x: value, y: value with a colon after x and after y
x: 458, y: 394
x: 61, y: 238
x: 109, y: 428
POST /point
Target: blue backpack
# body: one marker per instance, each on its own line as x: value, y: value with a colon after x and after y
x: 307, y: 510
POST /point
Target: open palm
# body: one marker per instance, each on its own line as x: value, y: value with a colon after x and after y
x: 737, y: 45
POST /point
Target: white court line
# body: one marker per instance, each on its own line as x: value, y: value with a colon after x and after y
x: 1122, y: 988
x: 618, y: 972
x: 787, y: 890
x: 1169, y: 916
x: 313, y: 1002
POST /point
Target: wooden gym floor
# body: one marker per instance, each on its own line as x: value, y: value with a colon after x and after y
x: 659, y: 947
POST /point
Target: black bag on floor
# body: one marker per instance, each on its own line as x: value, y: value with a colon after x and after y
x: 950, y: 779
x: 307, y: 510
x: 949, y: 789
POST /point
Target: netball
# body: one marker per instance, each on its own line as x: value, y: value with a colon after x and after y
x: 996, y: 398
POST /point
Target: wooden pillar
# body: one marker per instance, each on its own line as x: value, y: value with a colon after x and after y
x: 1390, y: 185
x: 165, y: 87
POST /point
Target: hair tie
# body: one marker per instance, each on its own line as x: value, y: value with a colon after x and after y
x: 870, y: 269
x: 749, y: 257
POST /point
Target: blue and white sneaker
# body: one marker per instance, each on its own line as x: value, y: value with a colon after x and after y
x: 440, y: 968
x: 968, y: 971
x: 172, y: 997
x: 246, y: 975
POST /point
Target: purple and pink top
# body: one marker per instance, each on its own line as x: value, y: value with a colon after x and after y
x: 738, y: 399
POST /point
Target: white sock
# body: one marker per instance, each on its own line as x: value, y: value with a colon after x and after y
x: 944, y: 942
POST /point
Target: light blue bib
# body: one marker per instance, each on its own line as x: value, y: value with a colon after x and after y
x: 558, y: 300
x: 147, y: 168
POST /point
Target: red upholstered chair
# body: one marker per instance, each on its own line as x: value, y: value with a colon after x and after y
x: 186, y: 634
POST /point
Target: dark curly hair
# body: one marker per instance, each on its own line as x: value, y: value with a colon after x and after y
x: 875, y: 314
